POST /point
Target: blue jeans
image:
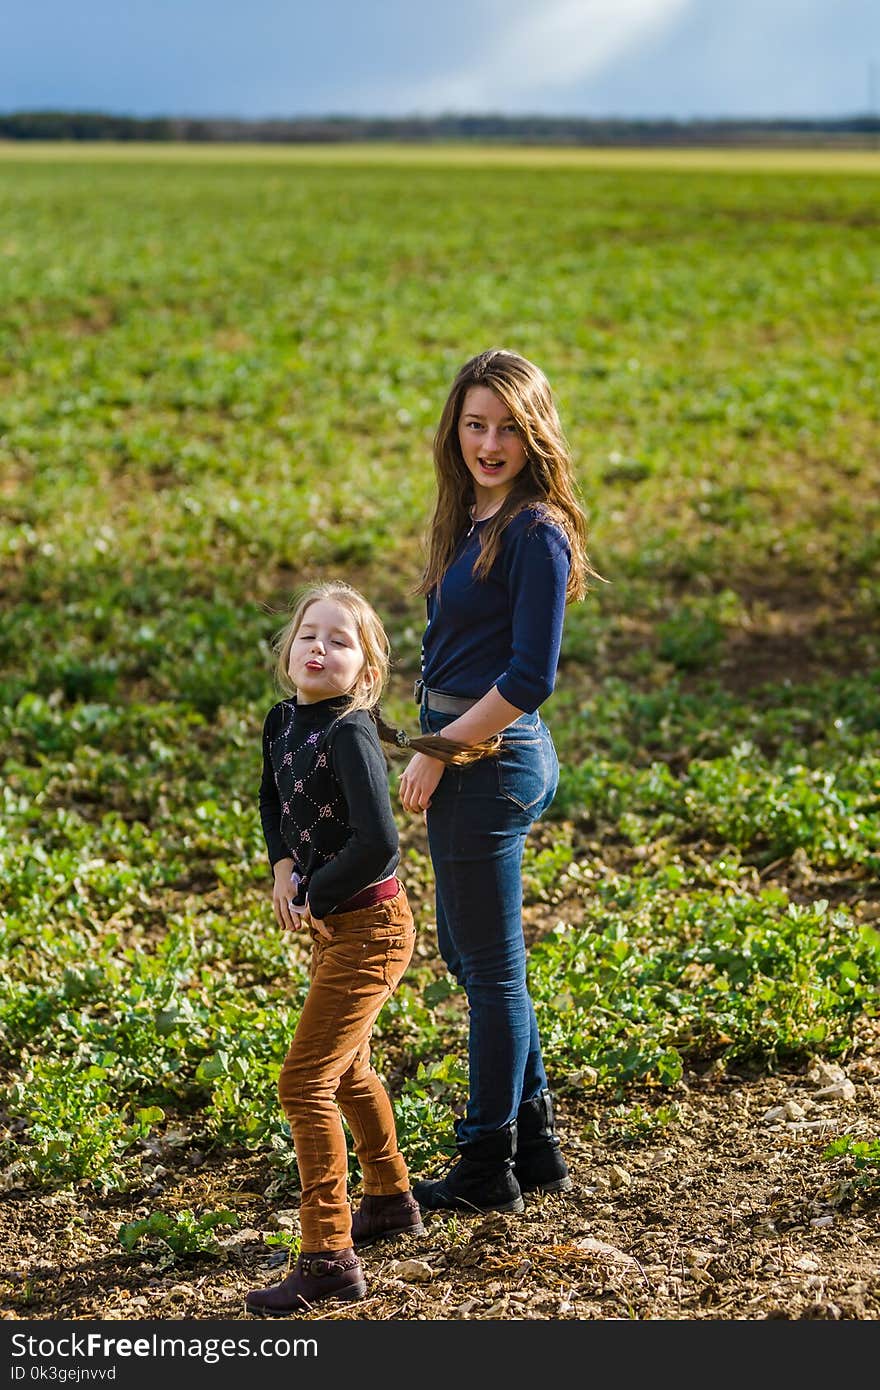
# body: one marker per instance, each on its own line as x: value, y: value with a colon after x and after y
x: 477, y: 825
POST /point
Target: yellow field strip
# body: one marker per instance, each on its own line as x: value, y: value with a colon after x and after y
x: 713, y: 159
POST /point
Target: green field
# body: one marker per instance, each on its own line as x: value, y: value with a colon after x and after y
x: 219, y: 377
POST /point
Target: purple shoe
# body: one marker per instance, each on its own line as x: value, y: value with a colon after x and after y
x: 383, y: 1218
x: 324, y: 1274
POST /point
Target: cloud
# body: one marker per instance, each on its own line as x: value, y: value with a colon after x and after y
x: 761, y: 58
x: 553, y: 44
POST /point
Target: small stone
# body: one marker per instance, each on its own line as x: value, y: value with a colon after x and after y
x: 793, y: 1111
x: 235, y: 1238
x: 587, y: 1076
x: 464, y: 1309
x: 807, y: 1264
x: 825, y: 1310
x: 176, y: 1137
x: 280, y: 1221
x: 606, y: 1251
x: 774, y: 1116
x: 819, y: 1222
x: 825, y: 1073
x: 619, y: 1177
x: 414, y: 1271
x: 841, y: 1090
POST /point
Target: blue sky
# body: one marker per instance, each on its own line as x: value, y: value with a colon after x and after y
x: 677, y: 58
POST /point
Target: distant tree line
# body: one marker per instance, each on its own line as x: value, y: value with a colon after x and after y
x: 538, y: 130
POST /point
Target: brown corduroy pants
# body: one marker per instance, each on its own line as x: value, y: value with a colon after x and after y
x: 328, y: 1068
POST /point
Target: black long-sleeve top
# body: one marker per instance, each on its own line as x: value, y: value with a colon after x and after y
x: 324, y: 800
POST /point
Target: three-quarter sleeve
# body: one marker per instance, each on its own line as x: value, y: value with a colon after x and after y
x: 538, y: 559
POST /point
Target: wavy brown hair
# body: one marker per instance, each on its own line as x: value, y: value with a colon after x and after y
x: 546, y: 482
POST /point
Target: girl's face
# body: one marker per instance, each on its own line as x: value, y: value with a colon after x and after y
x: 326, y: 656
x: 490, y: 444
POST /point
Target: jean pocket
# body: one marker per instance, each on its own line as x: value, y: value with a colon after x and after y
x: 524, y: 772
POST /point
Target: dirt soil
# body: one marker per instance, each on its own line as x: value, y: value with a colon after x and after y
x: 727, y: 1211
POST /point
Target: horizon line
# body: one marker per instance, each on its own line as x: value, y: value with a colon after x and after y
x: 446, y: 115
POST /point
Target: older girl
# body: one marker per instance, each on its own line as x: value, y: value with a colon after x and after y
x: 506, y: 551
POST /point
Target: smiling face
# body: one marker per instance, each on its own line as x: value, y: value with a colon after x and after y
x: 491, y: 447
x: 326, y: 657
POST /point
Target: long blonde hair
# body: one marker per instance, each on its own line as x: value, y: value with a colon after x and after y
x: 374, y: 642
x: 373, y: 677
x: 546, y: 482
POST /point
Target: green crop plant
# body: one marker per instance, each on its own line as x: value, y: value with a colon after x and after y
x: 179, y: 1235
x: 860, y: 1156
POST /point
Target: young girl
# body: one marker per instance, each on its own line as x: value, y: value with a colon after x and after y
x: 506, y: 552
x: 333, y: 847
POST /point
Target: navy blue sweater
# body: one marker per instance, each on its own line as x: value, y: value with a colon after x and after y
x: 504, y: 630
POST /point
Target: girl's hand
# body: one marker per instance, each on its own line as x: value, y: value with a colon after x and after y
x: 284, y: 890
x: 318, y: 923
x: 418, y: 782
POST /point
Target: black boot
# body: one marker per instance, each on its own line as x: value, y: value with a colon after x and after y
x: 481, y: 1180
x: 539, y: 1165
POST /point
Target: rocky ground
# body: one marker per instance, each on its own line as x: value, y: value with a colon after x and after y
x: 720, y: 1207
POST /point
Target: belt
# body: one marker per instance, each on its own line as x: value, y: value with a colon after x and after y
x: 439, y: 701
x: 369, y: 897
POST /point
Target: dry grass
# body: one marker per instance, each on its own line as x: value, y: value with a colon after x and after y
x: 739, y: 159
